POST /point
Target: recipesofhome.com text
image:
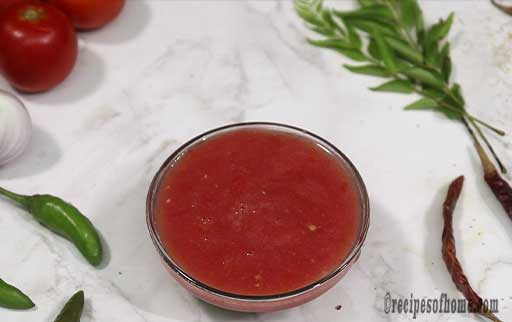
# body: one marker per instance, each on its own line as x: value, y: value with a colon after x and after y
x: 441, y: 305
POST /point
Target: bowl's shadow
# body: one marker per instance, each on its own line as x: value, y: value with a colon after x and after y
x: 41, y: 154
x: 382, y: 268
x: 137, y: 272
x: 215, y: 313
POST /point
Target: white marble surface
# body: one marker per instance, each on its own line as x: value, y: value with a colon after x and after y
x: 167, y: 70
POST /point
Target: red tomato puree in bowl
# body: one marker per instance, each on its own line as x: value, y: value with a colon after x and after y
x: 258, y: 212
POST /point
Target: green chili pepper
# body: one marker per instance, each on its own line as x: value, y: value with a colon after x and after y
x: 63, y: 219
x: 12, y: 298
x: 72, y: 311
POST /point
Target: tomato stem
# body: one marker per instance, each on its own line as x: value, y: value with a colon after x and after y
x: 31, y: 14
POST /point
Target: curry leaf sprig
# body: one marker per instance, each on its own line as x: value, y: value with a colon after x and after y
x: 390, y: 40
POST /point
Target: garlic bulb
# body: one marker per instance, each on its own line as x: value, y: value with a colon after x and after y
x: 15, y: 127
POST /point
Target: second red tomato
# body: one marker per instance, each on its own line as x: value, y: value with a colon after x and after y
x: 90, y: 14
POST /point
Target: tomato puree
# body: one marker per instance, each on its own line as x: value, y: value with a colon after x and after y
x: 258, y: 212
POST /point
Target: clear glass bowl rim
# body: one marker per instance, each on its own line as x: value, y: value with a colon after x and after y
x: 152, y: 193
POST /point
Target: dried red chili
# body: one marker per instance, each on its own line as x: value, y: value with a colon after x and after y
x: 504, y: 8
x: 501, y: 188
x: 498, y: 185
x: 453, y: 265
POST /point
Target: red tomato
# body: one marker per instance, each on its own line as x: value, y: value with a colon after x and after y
x: 5, y: 3
x: 38, y: 46
x: 90, y: 14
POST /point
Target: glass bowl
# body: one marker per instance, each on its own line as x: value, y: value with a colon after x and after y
x: 246, y: 303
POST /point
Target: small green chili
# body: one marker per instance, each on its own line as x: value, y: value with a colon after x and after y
x: 72, y: 311
x: 63, y: 219
x: 13, y: 298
